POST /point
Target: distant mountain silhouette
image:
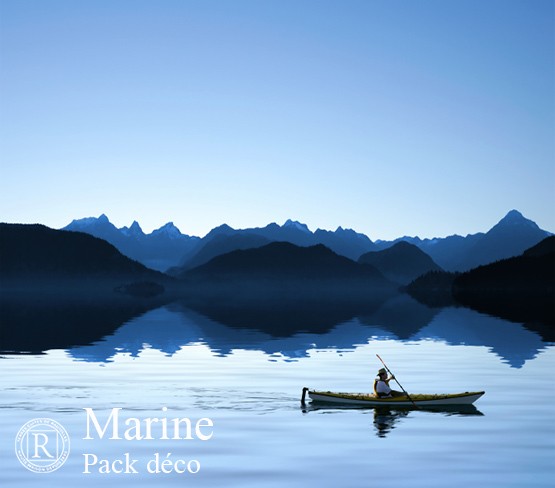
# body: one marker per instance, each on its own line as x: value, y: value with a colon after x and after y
x: 34, y: 256
x: 522, y: 286
x: 511, y: 236
x: 434, y: 289
x: 159, y: 250
x: 542, y: 248
x: 220, y: 244
x: 166, y: 248
x: 282, y: 269
x: 224, y: 238
x: 445, y: 251
x: 345, y: 242
x: 291, y: 231
x: 401, y: 263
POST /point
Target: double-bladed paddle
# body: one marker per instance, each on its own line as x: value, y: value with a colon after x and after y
x: 395, y: 378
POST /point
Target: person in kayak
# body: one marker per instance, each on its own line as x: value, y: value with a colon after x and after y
x: 381, y: 386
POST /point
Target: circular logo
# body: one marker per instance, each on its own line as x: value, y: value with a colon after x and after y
x: 42, y: 445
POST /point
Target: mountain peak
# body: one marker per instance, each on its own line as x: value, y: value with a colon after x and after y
x: 223, y: 229
x: 135, y: 226
x: 515, y: 218
x: 169, y: 229
x: 88, y: 222
x: 513, y: 215
x: 133, y: 230
x: 293, y: 224
x: 345, y: 230
x: 168, y: 225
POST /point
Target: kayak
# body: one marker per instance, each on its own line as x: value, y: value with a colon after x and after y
x: 418, y: 399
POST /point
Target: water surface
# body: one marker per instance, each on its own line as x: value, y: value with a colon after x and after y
x: 249, y: 381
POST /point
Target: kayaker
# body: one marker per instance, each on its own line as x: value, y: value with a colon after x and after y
x: 381, y: 386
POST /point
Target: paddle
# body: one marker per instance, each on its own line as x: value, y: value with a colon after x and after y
x: 395, y: 378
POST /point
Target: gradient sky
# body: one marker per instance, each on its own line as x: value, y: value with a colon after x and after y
x: 390, y: 117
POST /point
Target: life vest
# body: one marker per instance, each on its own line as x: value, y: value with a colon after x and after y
x: 380, y: 395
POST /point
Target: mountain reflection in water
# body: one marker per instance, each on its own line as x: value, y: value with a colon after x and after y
x: 97, y: 332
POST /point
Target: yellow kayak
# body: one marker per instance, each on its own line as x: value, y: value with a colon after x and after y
x: 416, y: 399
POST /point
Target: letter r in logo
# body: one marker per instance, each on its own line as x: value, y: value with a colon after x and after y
x: 41, y: 445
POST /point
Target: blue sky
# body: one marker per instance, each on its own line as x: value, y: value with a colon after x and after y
x: 390, y: 117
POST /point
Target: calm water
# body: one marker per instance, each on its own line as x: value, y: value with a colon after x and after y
x: 249, y: 383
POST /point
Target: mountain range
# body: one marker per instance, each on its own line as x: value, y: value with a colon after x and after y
x: 159, y: 250
x: 402, y: 263
x: 37, y: 257
x: 511, y: 236
x: 222, y: 239
x: 281, y: 270
x: 168, y: 249
x: 227, y: 254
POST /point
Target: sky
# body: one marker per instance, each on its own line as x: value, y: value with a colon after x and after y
x: 393, y: 118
